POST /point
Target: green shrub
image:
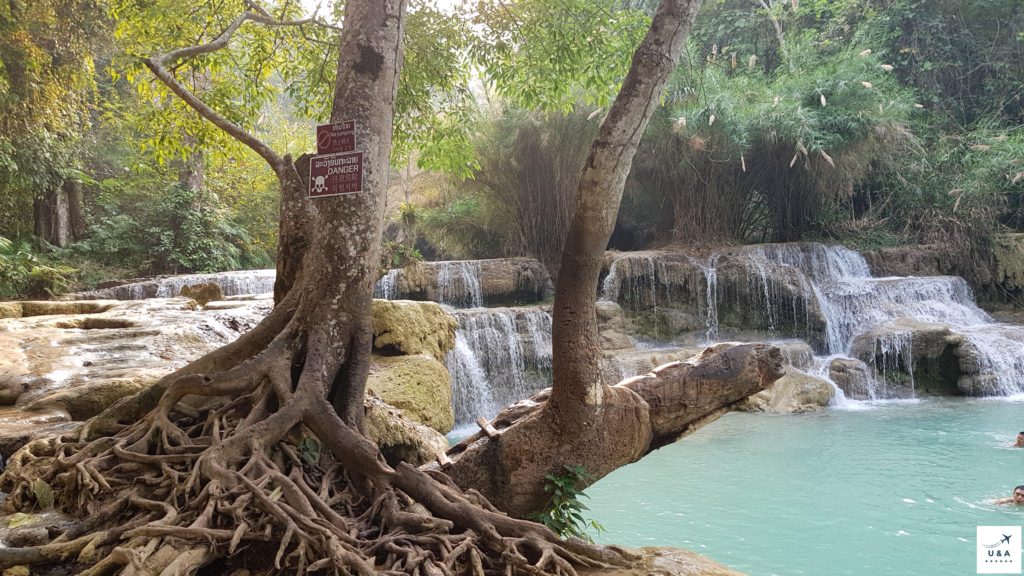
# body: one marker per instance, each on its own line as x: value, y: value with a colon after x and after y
x: 24, y: 274
x: 563, y: 513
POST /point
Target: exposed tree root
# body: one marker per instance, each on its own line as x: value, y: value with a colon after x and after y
x: 254, y: 458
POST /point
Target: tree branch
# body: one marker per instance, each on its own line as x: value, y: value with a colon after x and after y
x: 160, y: 63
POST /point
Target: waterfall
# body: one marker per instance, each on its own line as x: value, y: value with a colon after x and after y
x: 458, y: 284
x: 387, y: 287
x: 635, y: 278
x: 825, y: 294
x: 501, y: 356
x: 236, y: 283
x: 711, y: 299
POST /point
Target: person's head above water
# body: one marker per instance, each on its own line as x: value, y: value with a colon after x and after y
x: 1018, y: 494
x: 1020, y: 440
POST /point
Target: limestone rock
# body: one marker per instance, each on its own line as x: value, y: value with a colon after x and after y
x: 905, y: 352
x: 614, y: 327
x: 418, y: 385
x: 1008, y: 253
x: 796, y: 391
x: 914, y: 260
x: 617, y: 365
x: 400, y: 438
x: 85, y: 401
x: 761, y: 294
x: 665, y: 562
x: 203, y: 293
x: 852, y: 376
x: 796, y: 353
x: 499, y: 282
x: 19, y: 427
x: 413, y: 328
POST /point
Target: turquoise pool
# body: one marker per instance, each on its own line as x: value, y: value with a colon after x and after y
x: 883, y: 489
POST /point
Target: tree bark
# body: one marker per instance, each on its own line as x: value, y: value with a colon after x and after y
x: 583, y: 423
x: 658, y: 408
x: 57, y: 215
x: 577, y: 391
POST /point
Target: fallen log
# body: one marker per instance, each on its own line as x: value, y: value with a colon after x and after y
x: 637, y: 416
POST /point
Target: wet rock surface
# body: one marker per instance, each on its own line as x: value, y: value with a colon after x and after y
x: 64, y: 362
x: 795, y: 392
x: 666, y: 562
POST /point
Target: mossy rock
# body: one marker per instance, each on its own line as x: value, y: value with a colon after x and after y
x: 406, y: 327
x: 401, y: 439
x: 203, y: 293
x: 418, y: 385
x: 85, y: 401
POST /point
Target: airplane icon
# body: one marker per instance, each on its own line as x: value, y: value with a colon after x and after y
x: 1005, y: 540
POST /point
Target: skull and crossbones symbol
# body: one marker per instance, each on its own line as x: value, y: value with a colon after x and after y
x: 318, y: 185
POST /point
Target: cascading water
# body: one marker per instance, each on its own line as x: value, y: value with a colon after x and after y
x: 237, y: 283
x: 458, y: 284
x: 501, y: 356
x: 826, y: 294
x: 387, y: 287
x: 711, y: 299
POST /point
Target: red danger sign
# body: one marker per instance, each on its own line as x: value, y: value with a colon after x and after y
x: 334, y: 174
x: 337, y: 137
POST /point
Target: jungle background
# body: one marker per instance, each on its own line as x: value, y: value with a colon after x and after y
x: 874, y: 124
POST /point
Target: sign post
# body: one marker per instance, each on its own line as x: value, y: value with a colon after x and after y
x: 337, y: 137
x: 335, y: 174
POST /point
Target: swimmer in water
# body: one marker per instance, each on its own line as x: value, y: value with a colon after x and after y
x: 1019, y: 442
x: 1017, y: 498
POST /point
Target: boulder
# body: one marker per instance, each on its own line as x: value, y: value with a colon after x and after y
x: 406, y: 327
x: 400, y: 438
x: 89, y: 399
x: 1008, y: 253
x: 795, y: 392
x: 418, y: 385
x: 911, y: 357
x: 664, y: 562
x: 853, y: 377
x: 203, y: 293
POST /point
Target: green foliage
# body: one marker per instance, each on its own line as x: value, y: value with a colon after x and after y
x: 175, y: 231
x: 465, y: 223
x: 563, y: 513
x: 25, y: 274
x: 46, y: 91
x: 747, y: 155
x: 552, y: 55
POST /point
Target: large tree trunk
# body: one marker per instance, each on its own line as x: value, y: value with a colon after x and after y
x: 256, y: 446
x: 58, y: 214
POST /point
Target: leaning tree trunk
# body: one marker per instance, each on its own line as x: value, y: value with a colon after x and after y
x: 584, y: 423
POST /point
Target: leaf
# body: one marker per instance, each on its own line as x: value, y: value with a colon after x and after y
x: 43, y: 493
x: 310, y: 450
x: 19, y: 519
